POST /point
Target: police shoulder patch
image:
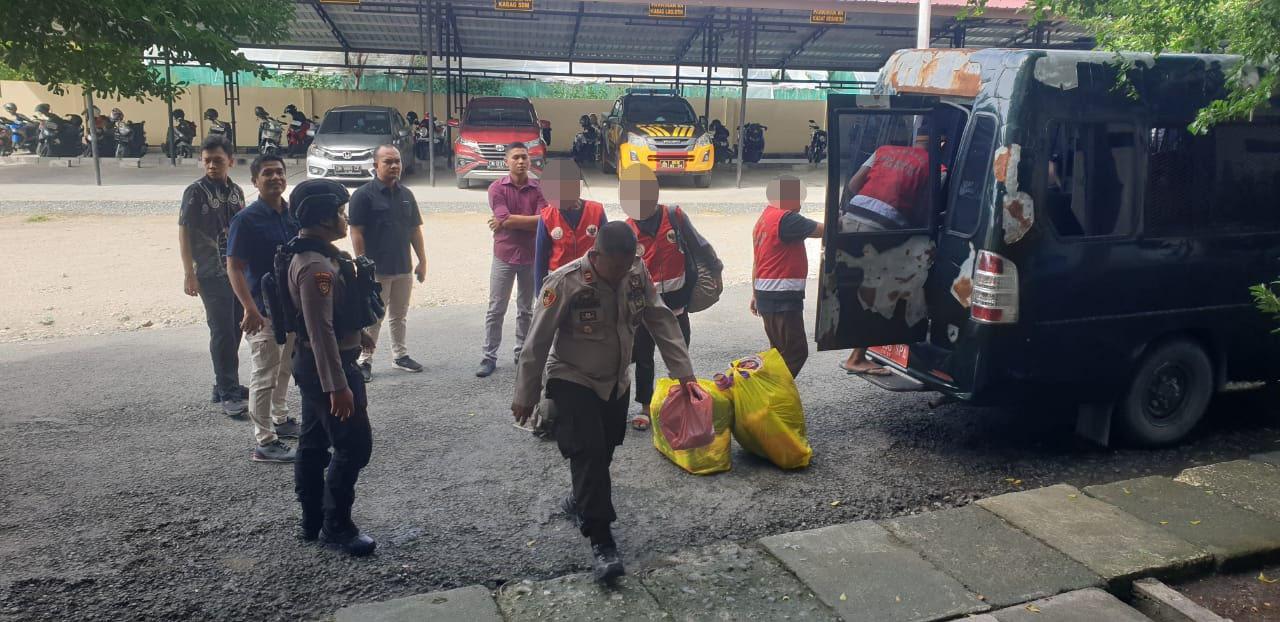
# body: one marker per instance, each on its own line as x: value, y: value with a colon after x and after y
x: 324, y: 282
x: 548, y: 297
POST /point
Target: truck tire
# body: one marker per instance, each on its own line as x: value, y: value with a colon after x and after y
x: 702, y: 181
x: 1168, y: 394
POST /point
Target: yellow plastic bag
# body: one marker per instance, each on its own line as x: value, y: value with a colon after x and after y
x: 713, y: 458
x: 768, y: 419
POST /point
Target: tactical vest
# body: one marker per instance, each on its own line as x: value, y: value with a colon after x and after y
x: 360, y: 305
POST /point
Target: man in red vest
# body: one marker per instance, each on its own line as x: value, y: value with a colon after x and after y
x: 663, y: 236
x: 781, y: 268
x: 569, y: 225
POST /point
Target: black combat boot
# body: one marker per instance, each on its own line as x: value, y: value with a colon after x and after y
x: 349, y: 541
x: 607, y: 564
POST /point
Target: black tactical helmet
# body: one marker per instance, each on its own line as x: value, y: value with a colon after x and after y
x: 317, y: 200
x: 179, y: 114
x: 211, y: 114
x: 42, y: 108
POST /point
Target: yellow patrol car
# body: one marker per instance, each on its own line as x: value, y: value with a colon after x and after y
x: 657, y: 128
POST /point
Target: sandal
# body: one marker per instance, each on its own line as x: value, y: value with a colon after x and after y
x: 872, y: 371
x: 640, y: 423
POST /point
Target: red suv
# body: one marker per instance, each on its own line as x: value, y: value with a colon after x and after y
x: 488, y: 125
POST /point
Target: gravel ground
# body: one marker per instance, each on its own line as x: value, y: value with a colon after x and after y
x: 1240, y: 596
x: 129, y: 497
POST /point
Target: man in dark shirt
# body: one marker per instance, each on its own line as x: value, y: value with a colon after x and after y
x: 385, y: 223
x: 781, y: 268
x: 207, y: 208
x: 255, y: 234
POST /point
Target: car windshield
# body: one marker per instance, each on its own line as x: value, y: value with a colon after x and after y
x: 356, y: 122
x: 500, y: 116
x: 666, y: 110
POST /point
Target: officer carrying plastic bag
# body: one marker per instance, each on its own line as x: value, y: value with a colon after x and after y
x: 768, y: 419
x: 706, y: 460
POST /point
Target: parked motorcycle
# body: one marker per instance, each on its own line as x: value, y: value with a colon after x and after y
x: 131, y: 137
x: 301, y: 131
x: 6, y: 137
x: 103, y: 130
x: 24, y: 132
x: 59, y: 136
x: 586, y: 144
x: 816, y: 151
x: 219, y: 128
x: 720, y: 142
x: 270, y: 132
x: 183, y: 133
x: 753, y: 142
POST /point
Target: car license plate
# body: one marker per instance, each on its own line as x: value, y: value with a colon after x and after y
x: 671, y: 165
x: 498, y: 165
x: 898, y: 354
x: 348, y: 169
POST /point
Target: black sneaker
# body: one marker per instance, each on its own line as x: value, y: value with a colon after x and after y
x: 570, y: 509
x: 234, y: 408
x: 288, y: 429
x: 486, y: 369
x: 366, y: 371
x: 352, y: 543
x: 275, y: 451
x: 607, y: 564
x: 407, y: 364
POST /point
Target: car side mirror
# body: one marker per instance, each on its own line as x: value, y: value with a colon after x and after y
x: 454, y: 123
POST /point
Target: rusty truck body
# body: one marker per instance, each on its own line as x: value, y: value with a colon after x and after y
x: 1078, y: 242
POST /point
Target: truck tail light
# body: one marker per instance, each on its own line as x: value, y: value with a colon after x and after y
x: 995, y: 290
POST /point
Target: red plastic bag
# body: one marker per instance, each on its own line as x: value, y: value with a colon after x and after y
x: 687, y: 417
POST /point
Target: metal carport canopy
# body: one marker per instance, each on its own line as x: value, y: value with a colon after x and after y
x: 621, y: 31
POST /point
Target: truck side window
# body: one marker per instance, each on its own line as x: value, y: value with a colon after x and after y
x: 972, y: 182
x: 1223, y: 182
x: 1090, y: 178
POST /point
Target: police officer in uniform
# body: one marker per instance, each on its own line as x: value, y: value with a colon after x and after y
x: 321, y: 284
x: 590, y: 310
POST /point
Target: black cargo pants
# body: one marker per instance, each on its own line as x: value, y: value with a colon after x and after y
x: 588, y: 429
x: 328, y: 497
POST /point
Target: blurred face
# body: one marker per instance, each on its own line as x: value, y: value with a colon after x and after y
x: 611, y: 268
x: 560, y: 185
x: 216, y: 164
x: 270, y: 181
x: 786, y: 193
x: 639, y: 197
x: 518, y: 161
x: 387, y: 164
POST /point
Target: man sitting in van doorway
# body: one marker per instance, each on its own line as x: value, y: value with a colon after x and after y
x: 890, y: 191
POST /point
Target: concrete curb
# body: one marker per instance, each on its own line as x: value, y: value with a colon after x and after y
x: 1035, y: 555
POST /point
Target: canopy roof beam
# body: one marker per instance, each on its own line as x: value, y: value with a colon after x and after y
x: 333, y: 27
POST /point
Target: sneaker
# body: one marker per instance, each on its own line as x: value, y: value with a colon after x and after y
x: 366, y: 371
x: 407, y: 364
x: 234, y: 407
x: 486, y: 369
x: 570, y: 509
x: 607, y: 564
x: 288, y: 429
x: 352, y: 543
x: 217, y: 396
x: 275, y: 451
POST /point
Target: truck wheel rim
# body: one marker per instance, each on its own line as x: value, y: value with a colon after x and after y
x: 1166, y: 392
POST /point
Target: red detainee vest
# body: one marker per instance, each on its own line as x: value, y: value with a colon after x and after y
x: 779, y: 266
x: 569, y: 243
x: 662, y: 253
x: 897, y: 177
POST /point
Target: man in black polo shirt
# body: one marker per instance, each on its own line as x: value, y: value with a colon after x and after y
x: 255, y: 234
x: 385, y: 224
x: 203, y: 221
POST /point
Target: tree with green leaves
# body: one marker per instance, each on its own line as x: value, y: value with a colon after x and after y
x: 1248, y: 28
x: 100, y: 44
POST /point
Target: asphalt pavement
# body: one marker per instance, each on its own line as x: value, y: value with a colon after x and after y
x: 129, y: 496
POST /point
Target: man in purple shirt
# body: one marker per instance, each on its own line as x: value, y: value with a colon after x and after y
x: 516, y: 201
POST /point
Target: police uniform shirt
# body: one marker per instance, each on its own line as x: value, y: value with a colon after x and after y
x: 316, y: 287
x: 583, y: 331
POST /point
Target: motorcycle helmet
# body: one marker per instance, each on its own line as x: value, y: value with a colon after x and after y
x: 211, y: 114
x: 179, y: 114
x: 411, y: 117
x: 290, y: 109
x: 11, y: 108
x: 116, y: 114
x: 260, y: 112
x: 42, y: 108
x: 317, y: 200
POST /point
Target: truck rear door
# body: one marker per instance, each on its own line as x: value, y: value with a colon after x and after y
x: 875, y: 267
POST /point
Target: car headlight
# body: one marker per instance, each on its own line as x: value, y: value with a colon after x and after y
x: 316, y: 151
x: 638, y: 141
x: 703, y: 141
x: 530, y: 144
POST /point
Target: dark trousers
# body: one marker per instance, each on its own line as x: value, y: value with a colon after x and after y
x: 588, y: 429
x: 786, y: 333
x: 328, y: 497
x: 642, y: 355
x: 223, y: 312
